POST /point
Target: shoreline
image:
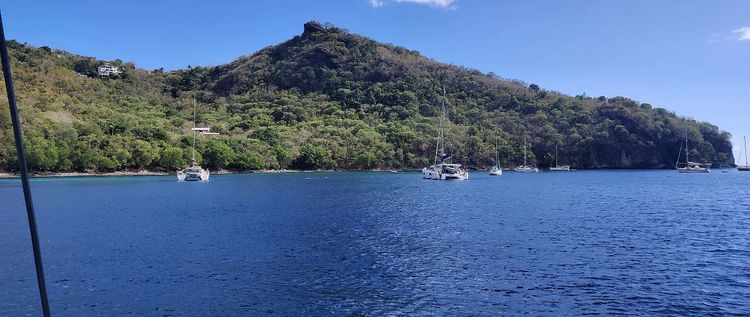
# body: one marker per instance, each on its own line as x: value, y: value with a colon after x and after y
x: 8, y: 175
x: 84, y: 174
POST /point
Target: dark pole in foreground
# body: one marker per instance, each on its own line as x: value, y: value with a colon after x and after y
x: 22, y: 168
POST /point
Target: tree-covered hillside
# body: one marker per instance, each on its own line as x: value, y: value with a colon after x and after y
x: 325, y: 99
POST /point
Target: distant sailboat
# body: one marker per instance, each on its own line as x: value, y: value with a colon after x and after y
x: 525, y: 168
x: 195, y: 172
x: 496, y: 170
x: 441, y: 170
x: 557, y: 167
x: 746, y: 167
x: 690, y: 167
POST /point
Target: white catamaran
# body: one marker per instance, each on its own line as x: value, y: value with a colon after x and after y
x: 558, y: 167
x: 441, y: 170
x: 746, y: 167
x: 195, y: 172
x: 525, y: 168
x: 690, y: 167
x: 496, y: 170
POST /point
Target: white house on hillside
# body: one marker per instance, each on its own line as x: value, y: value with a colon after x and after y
x: 107, y: 70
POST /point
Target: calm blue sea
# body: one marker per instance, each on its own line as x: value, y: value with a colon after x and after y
x: 648, y: 243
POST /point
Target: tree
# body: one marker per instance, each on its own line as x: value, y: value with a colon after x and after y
x: 143, y: 153
x: 84, y: 157
x: 367, y: 160
x: 218, y: 154
x: 118, y: 151
x: 283, y: 156
x: 87, y: 66
x: 171, y: 158
x: 42, y: 154
x: 249, y: 161
x: 313, y: 157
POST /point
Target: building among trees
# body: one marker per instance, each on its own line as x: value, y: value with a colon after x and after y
x: 108, y: 70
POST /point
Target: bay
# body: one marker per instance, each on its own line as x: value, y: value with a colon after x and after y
x: 366, y: 243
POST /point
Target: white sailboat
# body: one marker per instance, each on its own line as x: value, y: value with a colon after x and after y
x: 746, y: 167
x: 496, y: 170
x: 690, y: 167
x: 558, y: 167
x: 441, y: 170
x: 525, y: 168
x: 195, y: 172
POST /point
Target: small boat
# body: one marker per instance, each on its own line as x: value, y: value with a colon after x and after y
x: 558, y: 167
x: 690, y: 167
x: 195, y: 172
x: 746, y: 167
x: 525, y: 168
x: 564, y: 168
x: 441, y: 170
x: 693, y: 167
x: 496, y: 170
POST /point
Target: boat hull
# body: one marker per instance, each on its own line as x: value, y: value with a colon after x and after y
x: 560, y: 169
x: 436, y: 173
x: 526, y: 169
x: 496, y: 170
x: 693, y: 170
x: 201, y: 176
x: 743, y: 168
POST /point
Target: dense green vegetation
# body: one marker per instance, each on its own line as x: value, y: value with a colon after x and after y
x: 325, y: 99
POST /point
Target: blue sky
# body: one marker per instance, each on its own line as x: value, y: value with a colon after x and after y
x: 691, y: 57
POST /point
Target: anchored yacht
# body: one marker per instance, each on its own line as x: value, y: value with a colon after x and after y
x: 558, y: 167
x: 746, y: 167
x: 195, y: 172
x: 496, y: 170
x: 442, y: 170
x: 690, y: 167
x: 525, y: 168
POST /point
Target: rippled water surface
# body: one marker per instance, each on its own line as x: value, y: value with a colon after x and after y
x: 632, y: 243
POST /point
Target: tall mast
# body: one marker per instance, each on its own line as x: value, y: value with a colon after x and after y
x: 437, y: 148
x: 556, y: 165
x: 193, y: 129
x: 679, y: 155
x: 524, y: 150
x: 442, y: 126
x: 440, y: 147
x: 497, y: 158
x: 744, y: 139
x: 687, y: 149
x: 439, y: 144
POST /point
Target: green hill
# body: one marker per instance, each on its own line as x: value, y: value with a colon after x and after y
x: 324, y: 99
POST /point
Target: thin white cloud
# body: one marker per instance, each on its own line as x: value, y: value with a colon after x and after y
x: 445, y: 4
x: 742, y: 34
